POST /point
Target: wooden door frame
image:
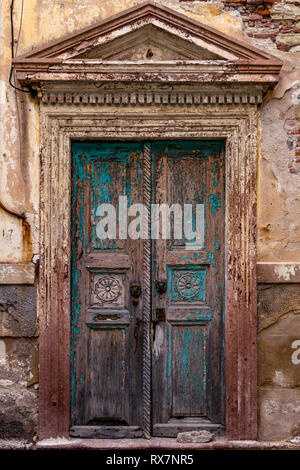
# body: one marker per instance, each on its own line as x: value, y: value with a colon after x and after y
x: 233, y: 119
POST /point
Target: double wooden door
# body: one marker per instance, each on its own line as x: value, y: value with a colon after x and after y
x: 147, y: 344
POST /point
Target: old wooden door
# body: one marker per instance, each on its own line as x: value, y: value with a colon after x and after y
x: 187, y: 327
x: 107, y: 324
x: 106, y: 393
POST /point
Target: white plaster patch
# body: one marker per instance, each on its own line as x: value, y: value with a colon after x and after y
x: 279, y: 378
x: 279, y: 187
x: 296, y: 93
x: 6, y: 383
x: 159, y: 340
x: 285, y: 271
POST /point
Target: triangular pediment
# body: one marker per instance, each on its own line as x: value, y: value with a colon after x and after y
x: 128, y: 35
x: 148, y: 43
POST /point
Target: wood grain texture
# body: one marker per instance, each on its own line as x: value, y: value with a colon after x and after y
x: 106, y: 432
x: 241, y: 297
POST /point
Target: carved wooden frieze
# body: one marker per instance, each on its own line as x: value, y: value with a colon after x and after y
x: 147, y: 98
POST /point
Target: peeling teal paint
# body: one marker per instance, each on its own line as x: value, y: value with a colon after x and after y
x: 215, y: 200
x: 217, y: 244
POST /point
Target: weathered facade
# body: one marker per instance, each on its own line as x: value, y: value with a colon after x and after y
x: 241, y: 87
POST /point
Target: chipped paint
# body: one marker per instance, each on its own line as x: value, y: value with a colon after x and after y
x: 284, y: 272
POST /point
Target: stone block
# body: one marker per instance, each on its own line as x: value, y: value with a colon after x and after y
x: 275, y: 365
x: 285, y: 11
x: 18, y: 414
x: 18, y: 388
x: 17, y: 310
x: 195, y: 436
x: 18, y: 362
x: 288, y: 39
x: 276, y: 300
x: 279, y: 413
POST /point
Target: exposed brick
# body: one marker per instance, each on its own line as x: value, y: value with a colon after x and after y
x: 294, y: 132
x: 254, y: 16
x: 283, y: 47
x: 264, y: 13
x: 270, y: 25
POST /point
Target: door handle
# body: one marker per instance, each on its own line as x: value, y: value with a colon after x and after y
x: 160, y: 316
x: 135, y: 292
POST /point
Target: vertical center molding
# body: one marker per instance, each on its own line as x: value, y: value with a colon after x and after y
x: 147, y: 296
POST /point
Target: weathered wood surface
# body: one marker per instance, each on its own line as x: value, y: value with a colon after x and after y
x: 106, y: 432
x: 175, y: 426
x: 241, y: 290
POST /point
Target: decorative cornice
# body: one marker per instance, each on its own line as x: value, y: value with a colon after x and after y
x: 144, y: 98
x: 69, y: 59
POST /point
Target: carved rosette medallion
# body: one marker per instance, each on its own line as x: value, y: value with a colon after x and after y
x: 188, y: 285
x: 107, y: 289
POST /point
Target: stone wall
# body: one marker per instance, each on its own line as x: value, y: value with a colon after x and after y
x: 18, y: 362
x: 278, y: 361
x: 268, y: 24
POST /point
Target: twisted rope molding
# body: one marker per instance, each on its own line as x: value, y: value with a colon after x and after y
x: 147, y: 300
x: 152, y: 97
